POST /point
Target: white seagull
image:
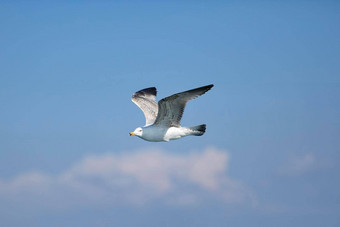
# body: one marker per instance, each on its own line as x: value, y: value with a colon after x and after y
x: 163, y: 119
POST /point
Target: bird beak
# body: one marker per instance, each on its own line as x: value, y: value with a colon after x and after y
x: 132, y: 133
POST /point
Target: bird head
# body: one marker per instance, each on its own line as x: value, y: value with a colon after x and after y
x: 138, y: 132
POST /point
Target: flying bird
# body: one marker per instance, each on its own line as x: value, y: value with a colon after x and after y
x: 162, y: 120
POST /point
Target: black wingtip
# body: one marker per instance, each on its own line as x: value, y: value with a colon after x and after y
x: 204, y: 89
x: 209, y: 86
x: 146, y: 92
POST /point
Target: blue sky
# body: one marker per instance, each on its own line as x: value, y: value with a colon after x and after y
x: 270, y: 156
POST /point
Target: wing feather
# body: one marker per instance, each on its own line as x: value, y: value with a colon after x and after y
x: 146, y: 100
x: 170, y: 109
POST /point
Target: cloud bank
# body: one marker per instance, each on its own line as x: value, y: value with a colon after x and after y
x: 132, y: 178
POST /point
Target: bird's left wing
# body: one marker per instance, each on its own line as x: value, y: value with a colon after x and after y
x: 146, y: 100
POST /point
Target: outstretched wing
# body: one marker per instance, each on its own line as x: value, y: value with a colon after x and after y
x: 170, y: 109
x: 146, y: 100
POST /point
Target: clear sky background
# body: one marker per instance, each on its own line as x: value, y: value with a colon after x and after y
x: 270, y: 156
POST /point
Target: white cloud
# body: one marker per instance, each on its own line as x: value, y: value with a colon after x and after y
x: 133, y: 178
x: 298, y: 165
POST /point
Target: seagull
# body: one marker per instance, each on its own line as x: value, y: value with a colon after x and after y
x: 162, y: 120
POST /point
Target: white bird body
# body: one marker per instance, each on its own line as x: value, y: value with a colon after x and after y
x: 158, y: 134
x: 163, y: 119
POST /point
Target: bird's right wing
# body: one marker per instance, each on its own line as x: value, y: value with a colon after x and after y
x: 170, y: 109
x: 146, y: 100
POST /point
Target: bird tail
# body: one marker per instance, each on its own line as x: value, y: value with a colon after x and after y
x: 197, y: 130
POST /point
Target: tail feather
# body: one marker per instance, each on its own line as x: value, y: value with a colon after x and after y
x: 198, y: 130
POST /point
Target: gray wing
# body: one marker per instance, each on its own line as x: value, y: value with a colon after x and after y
x: 146, y: 100
x: 170, y: 109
